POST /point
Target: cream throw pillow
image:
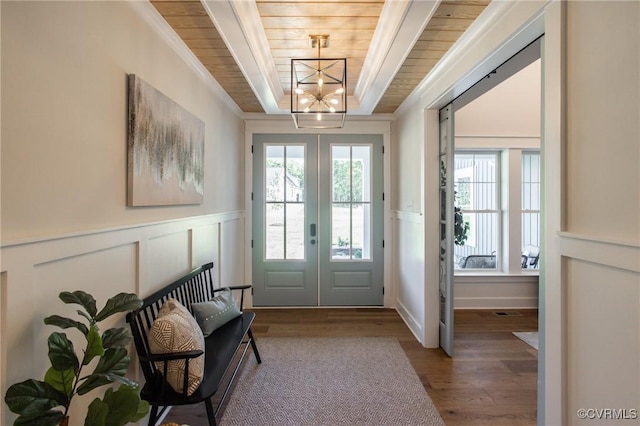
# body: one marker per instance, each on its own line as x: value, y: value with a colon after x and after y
x: 175, y: 330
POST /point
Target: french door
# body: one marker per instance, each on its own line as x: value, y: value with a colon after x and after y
x: 317, y: 220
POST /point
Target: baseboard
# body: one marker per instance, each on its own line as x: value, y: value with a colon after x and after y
x: 409, y: 320
x: 496, y: 303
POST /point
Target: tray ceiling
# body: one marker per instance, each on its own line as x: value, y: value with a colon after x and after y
x: 390, y: 47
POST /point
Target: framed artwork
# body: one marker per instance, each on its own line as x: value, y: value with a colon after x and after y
x: 165, y: 152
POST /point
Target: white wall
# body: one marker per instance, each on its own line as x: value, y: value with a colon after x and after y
x: 65, y: 224
x: 601, y: 242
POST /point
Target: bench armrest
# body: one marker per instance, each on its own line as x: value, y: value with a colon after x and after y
x: 237, y: 287
x: 172, y: 356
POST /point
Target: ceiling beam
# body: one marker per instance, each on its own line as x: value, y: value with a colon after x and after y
x: 400, y: 25
x: 239, y: 25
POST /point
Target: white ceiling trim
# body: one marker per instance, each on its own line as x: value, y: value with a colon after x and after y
x: 399, y: 27
x: 439, y: 87
x: 150, y: 14
x: 241, y: 29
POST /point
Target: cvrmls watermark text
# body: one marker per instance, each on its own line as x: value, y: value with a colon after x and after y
x: 607, y: 413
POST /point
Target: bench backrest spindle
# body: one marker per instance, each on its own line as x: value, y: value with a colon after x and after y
x: 195, y: 287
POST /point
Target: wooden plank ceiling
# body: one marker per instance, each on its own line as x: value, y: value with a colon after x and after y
x: 288, y: 24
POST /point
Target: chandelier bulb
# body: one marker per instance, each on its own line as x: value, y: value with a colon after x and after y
x: 319, y: 116
x: 339, y: 91
x: 299, y: 91
x: 320, y: 82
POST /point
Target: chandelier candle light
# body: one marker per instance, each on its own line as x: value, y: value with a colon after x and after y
x: 318, y: 89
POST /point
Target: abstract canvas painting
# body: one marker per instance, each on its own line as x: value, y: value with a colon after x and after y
x: 165, y: 149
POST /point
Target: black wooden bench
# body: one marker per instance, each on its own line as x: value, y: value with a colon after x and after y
x: 224, y: 350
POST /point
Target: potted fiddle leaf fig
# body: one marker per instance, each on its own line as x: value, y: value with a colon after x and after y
x: 46, y: 402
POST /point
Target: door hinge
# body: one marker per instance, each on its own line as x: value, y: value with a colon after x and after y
x: 251, y: 243
x: 383, y: 291
x: 252, y: 196
x: 382, y: 243
x: 252, y: 291
x: 383, y: 196
x: 252, y: 149
x: 383, y: 149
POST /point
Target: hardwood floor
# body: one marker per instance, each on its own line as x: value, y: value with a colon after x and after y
x: 491, y: 380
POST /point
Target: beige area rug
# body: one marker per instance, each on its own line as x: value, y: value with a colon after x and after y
x: 529, y: 337
x: 330, y: 381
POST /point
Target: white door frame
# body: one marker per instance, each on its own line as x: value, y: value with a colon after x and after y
x: 486, y: 45
x: 284, y: 124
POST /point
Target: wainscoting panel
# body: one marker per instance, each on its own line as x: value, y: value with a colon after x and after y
x: 137, y: 259
x: 408, y: 270
x: 168, y: 256
x: 232, y: 260
x: 603, y: 330
x: 496, y: 291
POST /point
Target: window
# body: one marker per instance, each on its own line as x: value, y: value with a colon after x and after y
x: 478, y: 188
x: 476, y: 195
x: 530, y: 209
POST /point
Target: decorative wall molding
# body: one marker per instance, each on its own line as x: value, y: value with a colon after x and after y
x: 616, y: 254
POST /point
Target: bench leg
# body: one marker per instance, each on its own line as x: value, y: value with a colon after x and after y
x: 254, y: 347
x: 153, y: 416
x: 211, y: 415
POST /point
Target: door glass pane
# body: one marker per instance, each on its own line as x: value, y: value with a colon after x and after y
x: 284, y: 198
x: 341, y: 171
x: 360, y: 222
x: 295, y: 231
x: 360, y: 177
x: 274, y: 173
x: 274, y: 231
x: 341, y: 231
x: 351, y: 199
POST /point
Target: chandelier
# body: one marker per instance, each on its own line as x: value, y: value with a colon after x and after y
x: 319, y: 89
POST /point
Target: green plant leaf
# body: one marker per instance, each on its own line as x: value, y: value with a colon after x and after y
x: 50, y: 418
x: 94, y: 345
x: 115, y: 338
x: 143, y: 409
x: 63, y: 322
x: 121, y: 302
x: 79, y: 297
x: 33, y: 398
x: 85, y: 315
x: 61, y: 352
x: 115, y: 361
x: 61, y: 380
x: 97, y: 413
x: 92, y: 382
x: 124, y: 405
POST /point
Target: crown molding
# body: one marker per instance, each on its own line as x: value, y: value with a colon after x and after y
x: 152, y: 17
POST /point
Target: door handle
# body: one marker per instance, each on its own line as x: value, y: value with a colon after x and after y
x: 312, y: 229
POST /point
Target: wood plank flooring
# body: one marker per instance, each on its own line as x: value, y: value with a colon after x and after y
x: 491, y: 380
